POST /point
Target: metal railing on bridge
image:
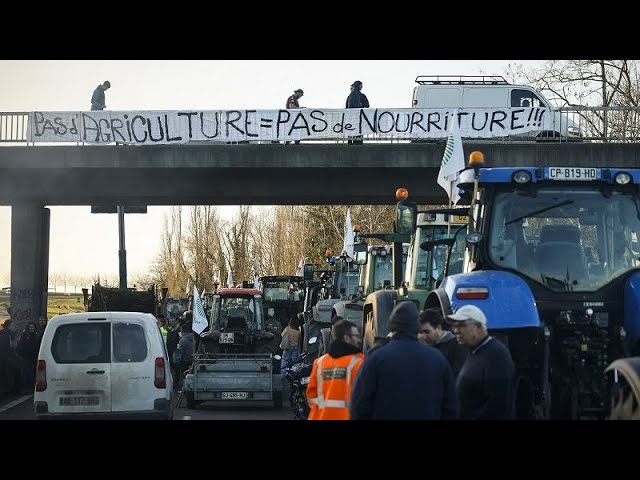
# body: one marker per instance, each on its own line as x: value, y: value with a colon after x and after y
x: 13, y: 126
x: 596, y: 124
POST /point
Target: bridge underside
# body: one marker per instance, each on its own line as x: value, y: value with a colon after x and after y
x: 262, y: 174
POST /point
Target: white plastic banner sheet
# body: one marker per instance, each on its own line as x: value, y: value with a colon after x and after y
x: 171, y: 126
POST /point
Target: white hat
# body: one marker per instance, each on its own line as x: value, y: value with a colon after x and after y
x: 468, y: 312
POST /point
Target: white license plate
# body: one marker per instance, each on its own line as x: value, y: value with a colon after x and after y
x: 226, y: 337
x: 234, y: 395
x: 580, y: 174
x: 304, y: 380
x: 79, y: 401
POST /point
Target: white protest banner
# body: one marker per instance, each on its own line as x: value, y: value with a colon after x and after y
x: 179, y: 127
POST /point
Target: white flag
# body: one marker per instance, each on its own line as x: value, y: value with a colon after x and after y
x: 229, y: 278
x: 199, y: 317
x: 347, y: 247
x: 256, y: 275
x: 300, y: 270
x: 452, y: 161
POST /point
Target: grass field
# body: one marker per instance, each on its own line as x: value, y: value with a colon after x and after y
x: 57, y: 304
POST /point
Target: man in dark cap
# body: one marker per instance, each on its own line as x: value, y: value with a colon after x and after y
x: 97, y: 99
x: 357, y: 99
x: 292, y: 101
x: 404, y: 379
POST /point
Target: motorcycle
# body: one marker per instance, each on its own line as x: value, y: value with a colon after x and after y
x: 297, y: 375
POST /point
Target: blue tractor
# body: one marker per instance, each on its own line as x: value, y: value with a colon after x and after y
x: 553, y: 259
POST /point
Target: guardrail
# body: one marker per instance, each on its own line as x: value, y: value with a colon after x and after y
x: 597, y: 124
x: 13, y: 126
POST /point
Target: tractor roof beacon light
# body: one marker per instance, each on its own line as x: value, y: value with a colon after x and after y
x: 476, y: 160
x: 402, y: 194
x: 356, y: 228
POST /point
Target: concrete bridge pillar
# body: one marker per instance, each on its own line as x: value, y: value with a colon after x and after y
x: 29, y: 262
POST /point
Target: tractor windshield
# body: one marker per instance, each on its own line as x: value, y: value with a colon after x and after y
x: 429, y: 265
x: 236, y: 313
x: 277, y: 290
x: 568, y: 239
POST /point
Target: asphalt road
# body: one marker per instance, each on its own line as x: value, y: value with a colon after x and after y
x: 21, y: 408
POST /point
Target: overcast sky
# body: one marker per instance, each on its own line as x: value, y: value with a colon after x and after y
x: 82, y: 243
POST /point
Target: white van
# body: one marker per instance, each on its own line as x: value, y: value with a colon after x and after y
x: 103, y: 364
x: 482, y: 91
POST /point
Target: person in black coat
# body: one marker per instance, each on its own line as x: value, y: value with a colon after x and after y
x: 486, y: 384
x: 357, y: 99
x: 173, y: 337
x: 28, y: 347
x: 434, y: 332
x: 404, y: 379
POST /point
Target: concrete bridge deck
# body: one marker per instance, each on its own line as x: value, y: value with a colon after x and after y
x: 266, y: 174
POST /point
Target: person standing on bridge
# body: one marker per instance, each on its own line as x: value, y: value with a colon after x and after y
x: 292, y: 102
x: 357, y: 99
x: 98, y: 99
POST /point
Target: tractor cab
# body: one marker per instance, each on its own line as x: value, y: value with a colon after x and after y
x: 237, y: 323
x: 552, y: 258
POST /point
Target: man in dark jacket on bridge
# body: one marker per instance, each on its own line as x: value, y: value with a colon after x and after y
x: 97, y: 99
x: 404, y: 379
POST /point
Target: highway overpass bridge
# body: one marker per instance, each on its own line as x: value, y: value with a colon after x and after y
x: 263, y: 174
x: 32, y: 177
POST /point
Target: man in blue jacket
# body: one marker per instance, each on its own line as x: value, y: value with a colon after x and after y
x: 404, y: 379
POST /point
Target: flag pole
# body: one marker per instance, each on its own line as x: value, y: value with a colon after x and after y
x: 450, y: 205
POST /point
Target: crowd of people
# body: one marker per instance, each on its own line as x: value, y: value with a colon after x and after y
x: 19, y: 355
x: 428, y: 368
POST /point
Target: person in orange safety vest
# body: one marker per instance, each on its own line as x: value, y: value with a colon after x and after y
x: 333, y: 374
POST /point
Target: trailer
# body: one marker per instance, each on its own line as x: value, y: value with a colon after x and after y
x: 234, y: 359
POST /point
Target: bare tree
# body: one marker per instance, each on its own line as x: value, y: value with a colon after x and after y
x: 65, y: 278
x: 170, y: 268
x: 203, y: 244
x: 55, y: 279
x: 601, y: 83
x: 5, y: 278
x: 236, y: 243
x: 143, y: 280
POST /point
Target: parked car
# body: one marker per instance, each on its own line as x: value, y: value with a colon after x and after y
x: 103, y: 365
